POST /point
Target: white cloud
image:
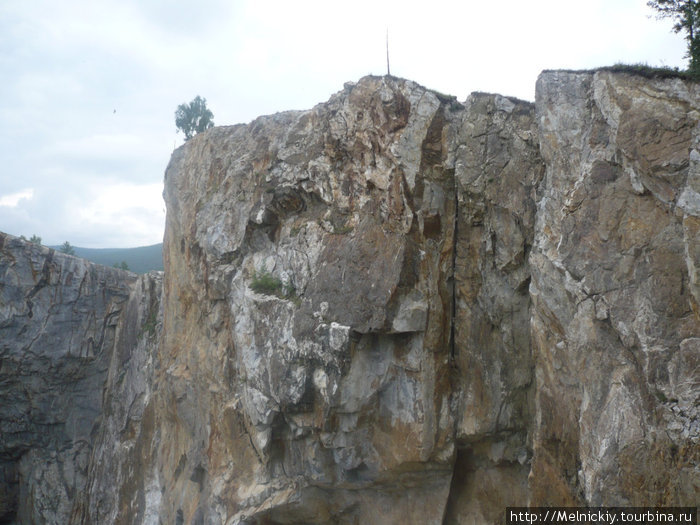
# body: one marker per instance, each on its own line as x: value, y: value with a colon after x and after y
x: 109, y: 202
x: 128, y: 214
x: 12, y: 200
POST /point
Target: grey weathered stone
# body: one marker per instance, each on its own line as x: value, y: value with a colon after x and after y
x: 391, y: 308
x: 123, y: 438
x: 58, y: 319
x: 498, y: 170
x: 610, y: 428
x: 337, y: 382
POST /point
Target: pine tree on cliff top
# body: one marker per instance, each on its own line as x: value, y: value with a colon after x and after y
x: 194, y: 117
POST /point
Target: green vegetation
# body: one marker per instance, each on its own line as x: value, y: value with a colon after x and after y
x: 265, y: 283
x: 648, y: 71
x: 67, y: 248
x: 194, y: 117
x: 138, y: 260
x: 686, y: 18
x: 34, y: 238
x: 149, y: 326
x: 643, y: 70
x: 142, y: 259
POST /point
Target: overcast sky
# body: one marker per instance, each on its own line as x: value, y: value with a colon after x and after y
x: 88, y: 89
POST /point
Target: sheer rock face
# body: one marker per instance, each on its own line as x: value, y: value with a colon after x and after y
x: 498, y: 169
x: 614, y: 287
x: 392, y: 308
x: 309, y: 292
x: 60, y: 319
x: 122, y: 440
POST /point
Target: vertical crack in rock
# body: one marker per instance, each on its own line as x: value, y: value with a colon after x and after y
x: 453, y: 279
x: 498, y: 169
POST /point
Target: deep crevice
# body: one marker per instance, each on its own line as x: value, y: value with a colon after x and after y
x: 455, y: 228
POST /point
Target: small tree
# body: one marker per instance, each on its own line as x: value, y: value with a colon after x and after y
x: 122, y: 266
x: 194, y: 117
x: 686, y: 17
x: 67, y: 248
x: 35, y: 239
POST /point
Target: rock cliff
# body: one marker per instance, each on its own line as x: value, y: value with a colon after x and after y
x: 391, y: 308
x: 65, y: 324
x: 615, y: 324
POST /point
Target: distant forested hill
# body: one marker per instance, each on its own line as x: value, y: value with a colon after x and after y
x: 140, y: 260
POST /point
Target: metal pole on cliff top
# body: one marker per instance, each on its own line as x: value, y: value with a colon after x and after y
x: 388, y: 71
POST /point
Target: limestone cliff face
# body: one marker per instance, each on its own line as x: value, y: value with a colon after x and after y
x: 392, y: 308
x: 498, y: 170
x: 326, y: 396
x: 615, y: 292
x: 61, y: 320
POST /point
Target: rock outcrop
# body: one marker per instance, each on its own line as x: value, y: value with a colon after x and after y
x: 309, y: 292
x: 392, y: 308
x: 61, y: 320
x: 615, y: 322
x: 498, y: 170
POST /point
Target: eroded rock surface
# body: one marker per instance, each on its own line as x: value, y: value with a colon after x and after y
x: 334, y: 401
x: 60, y: 319
x: 615, y: 307
x: 126, y: 430
x: 392, y: 308
x: 498, y: 169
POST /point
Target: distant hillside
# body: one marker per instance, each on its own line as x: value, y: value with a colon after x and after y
x: 140, y: 260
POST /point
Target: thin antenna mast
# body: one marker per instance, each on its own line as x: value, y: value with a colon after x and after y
x: 388, y: 71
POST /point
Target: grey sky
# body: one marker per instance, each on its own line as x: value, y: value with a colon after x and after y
x: 89, y: 88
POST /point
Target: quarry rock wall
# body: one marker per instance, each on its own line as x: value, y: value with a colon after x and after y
x: 63, y: 321
x: 615, y: 291
x: 391, y: 308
